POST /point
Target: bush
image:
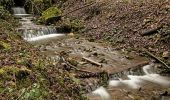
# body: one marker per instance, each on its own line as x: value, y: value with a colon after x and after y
x: 4, y: 14
x: 7, y: 3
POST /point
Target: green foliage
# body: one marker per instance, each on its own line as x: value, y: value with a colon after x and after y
x: 36, y: 92
x: 7, y: 3
x: 37, y: 6
x: 4, y: 14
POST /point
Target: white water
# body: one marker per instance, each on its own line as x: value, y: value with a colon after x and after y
x: 19, y: 12
x: 32, y: 32
x: 136, y: 82
x: 43, y: 37
x: 101, y: 91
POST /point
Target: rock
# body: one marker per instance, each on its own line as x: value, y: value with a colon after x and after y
x: 71, y: 34
x: 50, y: 15
x: 166, y: 54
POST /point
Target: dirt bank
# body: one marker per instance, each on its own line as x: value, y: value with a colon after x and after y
x: 127, y: 24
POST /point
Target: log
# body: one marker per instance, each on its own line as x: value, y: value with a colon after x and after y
x: 93, y: 62
x: 152, y: 31
x: 153, y: 56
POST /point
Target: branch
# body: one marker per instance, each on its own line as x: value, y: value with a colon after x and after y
x: 153, y: 56
x: 152, y: 31
x: 75, y: 66
x: 93, y: 62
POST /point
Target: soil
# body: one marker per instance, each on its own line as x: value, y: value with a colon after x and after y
x: 111, y: 42
x: 123, y: 22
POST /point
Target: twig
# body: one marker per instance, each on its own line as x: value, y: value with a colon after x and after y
x: 152, y: 55
x: 91, y: 61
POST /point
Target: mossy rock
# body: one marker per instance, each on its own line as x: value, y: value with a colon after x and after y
x: 8, y: 71
x: 50, y: 13
x: 72, y: 25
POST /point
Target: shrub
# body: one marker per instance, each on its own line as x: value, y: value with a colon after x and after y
x: 7, y: 3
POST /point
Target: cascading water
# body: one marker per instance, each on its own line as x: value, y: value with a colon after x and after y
x: 19, y: 12
x: 135, y: 82
x: 32, y: 32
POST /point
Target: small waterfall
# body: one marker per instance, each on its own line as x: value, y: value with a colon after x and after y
x: 19, y: 12
x: 32, y: 32
x: 135, y: 82
x: 39, y: 31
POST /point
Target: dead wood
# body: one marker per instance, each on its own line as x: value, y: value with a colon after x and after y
x: 93, y: 62
x: 153, y: 56
x: 152, y: 31
x: 81, y: 70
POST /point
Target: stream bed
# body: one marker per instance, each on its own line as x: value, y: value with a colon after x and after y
x: 129, y: 76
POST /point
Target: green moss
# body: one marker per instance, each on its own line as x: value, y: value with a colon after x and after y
x: 8, y: 72
x: 49, y: 13
x: 5, y: 46
x: 73, y: 24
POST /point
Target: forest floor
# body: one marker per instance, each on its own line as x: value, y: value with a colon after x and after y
x: 128, y: 25
x: 108, y: 26
x: 93, y: 64
x: 125, y: 24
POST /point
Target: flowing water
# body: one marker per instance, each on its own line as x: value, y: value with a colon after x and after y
x: 31, y: 32
x: 19, y: 12
x: 122, y: 74
x: 147, y: 81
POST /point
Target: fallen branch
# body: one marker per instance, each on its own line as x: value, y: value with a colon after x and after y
x: 152, y: 31
x: 153, y: 56
x: 93, y: 62
x: 67, y: 63
x: 89, y: 75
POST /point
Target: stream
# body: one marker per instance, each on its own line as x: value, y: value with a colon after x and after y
x: 130, y: 76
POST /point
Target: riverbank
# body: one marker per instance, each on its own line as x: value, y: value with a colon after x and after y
x: 103, y: 37
x: 25, y: 72
x: 125, y: 24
